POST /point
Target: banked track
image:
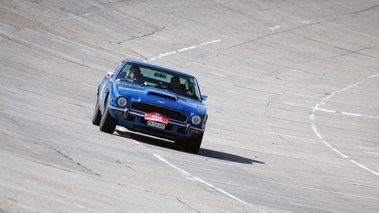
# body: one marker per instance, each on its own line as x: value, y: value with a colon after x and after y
x: 293, y: 104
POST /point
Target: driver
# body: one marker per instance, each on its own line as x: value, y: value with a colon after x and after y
x: 175, y: 85
x: 135, y: 75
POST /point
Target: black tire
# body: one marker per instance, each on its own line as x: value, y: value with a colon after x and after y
x: 96, y: 117
x: 107, y: 123
x: 193, y: 145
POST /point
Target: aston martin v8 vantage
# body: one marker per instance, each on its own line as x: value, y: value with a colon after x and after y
x: 152, y: 100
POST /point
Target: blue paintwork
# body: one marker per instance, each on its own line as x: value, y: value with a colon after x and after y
x: 111, y: 88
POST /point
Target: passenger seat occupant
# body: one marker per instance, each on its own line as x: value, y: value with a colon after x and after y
x: 175, y: 85
x: 189, y: 88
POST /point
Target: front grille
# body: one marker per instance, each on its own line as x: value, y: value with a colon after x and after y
x: 169, y: 113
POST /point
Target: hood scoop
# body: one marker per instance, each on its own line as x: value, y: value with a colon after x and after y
x: 161, y: 93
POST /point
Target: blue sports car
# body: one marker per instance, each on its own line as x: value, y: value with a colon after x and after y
x: 153, y: 100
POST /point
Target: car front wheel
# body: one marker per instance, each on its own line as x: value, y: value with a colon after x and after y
x: 107, y: 123
x: 193, y: 145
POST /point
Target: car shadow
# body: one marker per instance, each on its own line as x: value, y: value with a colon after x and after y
x: 227, y: 156
x: 149, y: 140
x: 170, y: 145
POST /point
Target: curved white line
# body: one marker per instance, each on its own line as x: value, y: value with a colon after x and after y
x: 191, y: 177
x: 184, y: 49
x: 312, y: 117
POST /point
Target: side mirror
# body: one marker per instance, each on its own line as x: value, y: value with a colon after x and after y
x: 110, y: 74
x: 204, y: 97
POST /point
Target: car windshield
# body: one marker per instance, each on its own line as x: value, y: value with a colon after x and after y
x: 159, y: 78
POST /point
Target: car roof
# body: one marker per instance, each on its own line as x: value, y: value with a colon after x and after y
x: 148, y: 64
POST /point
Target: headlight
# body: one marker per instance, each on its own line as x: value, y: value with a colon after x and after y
x: 196, y: 120
x: 121, y: 102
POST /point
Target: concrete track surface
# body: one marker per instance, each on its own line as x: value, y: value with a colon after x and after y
x: 293, y: 106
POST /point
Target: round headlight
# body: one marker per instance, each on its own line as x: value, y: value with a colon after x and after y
x: 121, y: 101
x: 196, y: 120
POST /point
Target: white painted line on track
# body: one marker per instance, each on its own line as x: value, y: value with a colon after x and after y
x: 312, y: 117
x: 187, y: 48
x: 274, y: 28
x: 325, y: 110
x: 211, y: 42
x: 191, y: 177
x: 348, y: 113
x: 166, y: 54
x: 184, y: 49
x: 373, y: 76
x: 348, y: 87
x: 352, y: 114
x: 364, y: 167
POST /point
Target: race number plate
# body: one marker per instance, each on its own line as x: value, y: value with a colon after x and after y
x: 156, y: 124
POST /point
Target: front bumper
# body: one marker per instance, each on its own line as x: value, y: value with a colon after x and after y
x: 135, y: 121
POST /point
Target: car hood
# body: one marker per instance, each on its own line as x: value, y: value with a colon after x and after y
x: 147, y: 94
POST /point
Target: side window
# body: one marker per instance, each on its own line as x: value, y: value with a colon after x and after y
x: 122, y: 75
